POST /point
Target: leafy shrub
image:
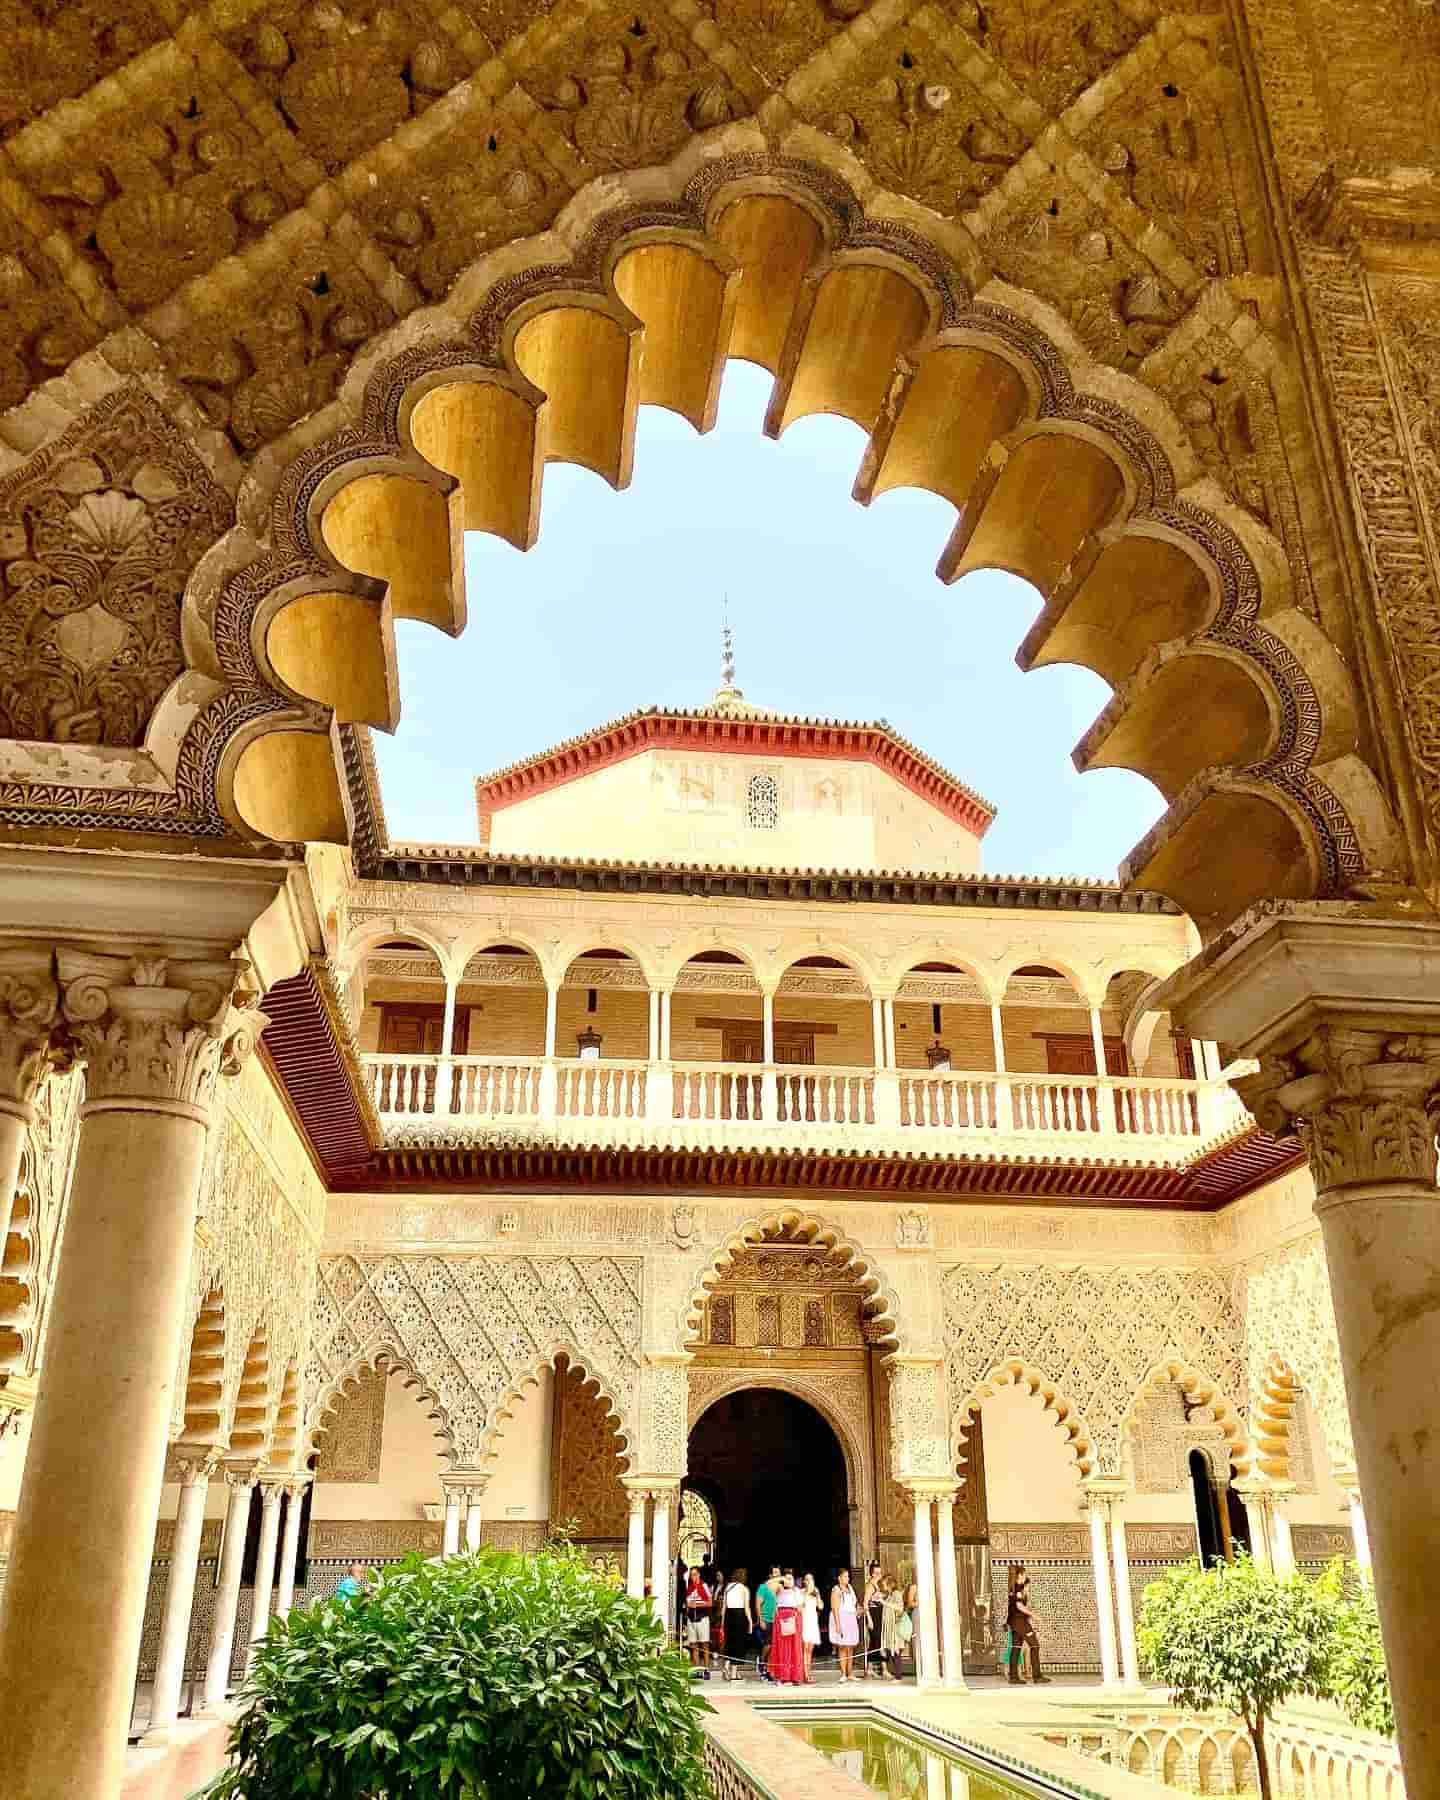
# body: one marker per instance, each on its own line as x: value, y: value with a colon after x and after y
x: 1238, y: 1637
x: 485, y: 1677
x: 1358, y: 1679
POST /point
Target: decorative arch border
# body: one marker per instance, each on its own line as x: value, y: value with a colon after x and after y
x: 860, y: 1473
x: 1016, y: 1372
x: 471, y: 342
x: 879, y: 1291
x: 388, y: 1358
x: 594, y: 1382
x: 1204, y: 1392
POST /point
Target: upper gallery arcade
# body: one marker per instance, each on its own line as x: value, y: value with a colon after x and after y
x: 294, y: 296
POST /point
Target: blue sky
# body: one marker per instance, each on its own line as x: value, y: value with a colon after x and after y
x: 835, y: 609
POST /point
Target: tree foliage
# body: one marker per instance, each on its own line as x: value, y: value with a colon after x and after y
x: 1236, y: 1636
x: 485, y: 1677
x: 1358, y: 1678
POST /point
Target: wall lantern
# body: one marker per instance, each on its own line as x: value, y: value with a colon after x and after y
x: 587, y: 1044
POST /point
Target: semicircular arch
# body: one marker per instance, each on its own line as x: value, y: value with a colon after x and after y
x: 798, y: 1386
x: 364, y: 938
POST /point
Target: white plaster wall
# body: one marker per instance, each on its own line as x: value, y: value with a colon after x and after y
x: 520, y: 1485
x: 411, y: 1464
x: 691, y: 806
x: 1031, y: 1476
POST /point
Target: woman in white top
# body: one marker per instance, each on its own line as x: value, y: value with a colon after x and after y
x: 737, y: 1625
x: 810, y: 1621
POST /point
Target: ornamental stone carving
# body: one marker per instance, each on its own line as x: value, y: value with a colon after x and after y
x: 919, y: 1425
x: 1095, y: 1337
x: 1290, y: 1321
x: 155, y: 1027
x: 1365, y: 1102
x: 29, y: 1004
x: 474, y: 1329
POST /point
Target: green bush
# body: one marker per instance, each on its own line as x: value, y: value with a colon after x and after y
x: 1358, y: 1679
x: 485, y: 1677
x: 1238, y: 1637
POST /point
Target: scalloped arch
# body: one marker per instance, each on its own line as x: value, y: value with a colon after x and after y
x: 594, y: 1383
x: 387, y: 1358
x: 1066, y: 471
x: 1200, y: 1390
x: 1017, y: 1373
x: 880, y: 1302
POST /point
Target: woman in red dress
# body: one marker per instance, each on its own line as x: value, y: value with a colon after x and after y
x: 787, y: 1654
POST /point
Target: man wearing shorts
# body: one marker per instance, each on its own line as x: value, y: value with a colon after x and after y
x: 698, y: 1602
x: 767, y: 1597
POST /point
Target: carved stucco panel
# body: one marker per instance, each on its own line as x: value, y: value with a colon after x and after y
x: 1097, y: 1334
x: 1290, y: 1315
x: 473, y: 1328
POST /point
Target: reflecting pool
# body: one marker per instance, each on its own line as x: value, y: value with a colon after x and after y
x: 901, y: 1767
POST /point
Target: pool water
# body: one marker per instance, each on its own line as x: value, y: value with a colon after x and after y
x: 901, y: 1767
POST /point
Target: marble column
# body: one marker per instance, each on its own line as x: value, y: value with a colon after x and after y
x: 952, y: 1636
x: 1360, y: 1537
x: 151, y: 1029
x: 1255, y: 1497
x: 1340, y: 1004
x: 194, y: 1470
x: 1282, y: 1550
x: 290, y: 1545
x: 927, y: 1657
x: 227, y: 1594
x: 1004, y: 1101
x: 635, y: 1544
x: 271, y: 1494
x: 877, y: 1031
x: 660, y: 1552
x: 29, y: 1006
x: 1098, y: 1502
x: 451, y: 1541
x: 474, y: 1514
x: 1124, y: 1603
x: 664, y: 1024
x: 887, y: 1013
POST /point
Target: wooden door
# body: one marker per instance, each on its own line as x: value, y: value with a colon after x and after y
x: 420, y: 1030
x: 792, y: 1045
x: 1076, y: 1056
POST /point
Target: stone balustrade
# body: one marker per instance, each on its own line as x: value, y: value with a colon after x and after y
x: 685, y: 1103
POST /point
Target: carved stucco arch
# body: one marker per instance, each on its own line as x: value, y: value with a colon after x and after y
x: 883, y: 1312
x: 595, y: 1385
x: 1015, y: 1373
x: 450, y: 380
x: 1292, y: 1344
x: 1202, y: 1391
x: 362, y: 939
x: 386, y: 1359
x: 860, y: 1475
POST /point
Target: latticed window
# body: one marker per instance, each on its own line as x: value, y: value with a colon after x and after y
x: 762, y: 802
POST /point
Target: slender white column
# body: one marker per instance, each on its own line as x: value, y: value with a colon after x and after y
x: 447, y: 1030
x: 767, y: 1002
x: 927, y: 1662
x: 1004, y: 1100
x: 1124, y: 1604
x: 195, y: 1473
x: 1099, y: 1504
x: 1257, y: 1514
x: 289, y: 1547
x: 660, y: 1555
x: 227, y: 1595
x: 474, y: 1520
x: 951, y: 1635
x: 635, y: 1545
x: 1282, y: 1551
x: 887, y: 1008
x: 451, y: 1542
x: 653, y: 1051
x: 552, y: 1007
x: 270, y: 1495
x: 1358, y: 1533
x: 1097, y: 1039
x: 877, y: 1030
x: 664, y: 1024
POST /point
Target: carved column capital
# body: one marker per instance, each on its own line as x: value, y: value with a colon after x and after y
x: 29, y: 1008
x: 190, y: 1464
x: 1365, y: 1103
x: 155, y: 1029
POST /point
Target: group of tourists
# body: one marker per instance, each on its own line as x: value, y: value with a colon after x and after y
x: 786, y: 1619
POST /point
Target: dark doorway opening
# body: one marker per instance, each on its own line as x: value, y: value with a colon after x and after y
x: 773, y: 1470
x: 1207, y: 1511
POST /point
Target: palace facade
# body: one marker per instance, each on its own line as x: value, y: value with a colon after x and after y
x: 812, y: 1209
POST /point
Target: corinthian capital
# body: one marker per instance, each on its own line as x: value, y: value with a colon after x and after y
x: 156, y: 1027
x: 29, y: 1005
x: 1365, y: 1102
